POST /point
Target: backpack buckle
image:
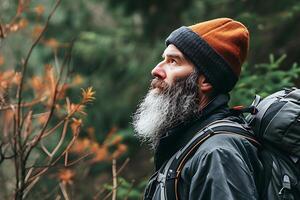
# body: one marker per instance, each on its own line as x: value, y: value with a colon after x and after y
x: 161, y: 178
x: 284, y: 193
x: 171, y: 174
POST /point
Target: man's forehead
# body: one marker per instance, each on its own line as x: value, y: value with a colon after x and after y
x: 173, y: 50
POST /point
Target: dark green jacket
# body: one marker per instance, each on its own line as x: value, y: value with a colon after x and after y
x: 223, y: 168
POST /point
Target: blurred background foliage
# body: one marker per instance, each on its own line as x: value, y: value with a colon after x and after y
x: 117, y: 43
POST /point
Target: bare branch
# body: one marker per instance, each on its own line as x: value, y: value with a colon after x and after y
x: 78, y: 160
x: 96, y: 196
x: 114, y: 174
x: 64, y: 191
x: 1, y: 32
x: 52, y: 163
x: 30, y: 186
x: 41, y: 134
x: 23, y: 105
x: 64, y: 131
x: 25, y: 64
x: 45, y: 149
x: 28, y: 122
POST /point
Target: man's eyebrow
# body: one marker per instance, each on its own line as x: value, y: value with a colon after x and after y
x: 173, y: 55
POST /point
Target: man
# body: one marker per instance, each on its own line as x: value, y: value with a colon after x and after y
x: 200, y: 66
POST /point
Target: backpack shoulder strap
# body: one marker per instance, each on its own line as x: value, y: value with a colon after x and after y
x: 173, y: 169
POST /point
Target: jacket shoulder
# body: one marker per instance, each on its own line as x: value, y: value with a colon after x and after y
x: 223, y: 167
x: 223, y: 149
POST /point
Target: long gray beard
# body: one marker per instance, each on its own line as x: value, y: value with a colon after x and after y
x: 160, y: 112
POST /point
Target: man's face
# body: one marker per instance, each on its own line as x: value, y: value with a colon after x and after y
x: 173, y: 97
x: 173, y: 67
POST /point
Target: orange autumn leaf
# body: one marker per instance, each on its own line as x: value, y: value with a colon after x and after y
x: 75, y: 126
x: 91, y: 132
x: 43, y: 118
x: 23, y: 23
x: 1, y: 60
x: 116, y: 140
x: 37, y: 30
x: 53, y: 43
x: 94, y: 146
x: 73, y: 108
x: 50, y: 78
x: 121, y: 149
x: 7, y: 75
x: 66, y: 176
x: 101, y: 154
x: 77, y: 80
x: 81, y: 145
x: 111, y: 132
x: 39, y: 9
x: 62, y: 91
x: 88, y: 95
x: 37, y: 84
x: 6, y: 79
x: 3, y: 85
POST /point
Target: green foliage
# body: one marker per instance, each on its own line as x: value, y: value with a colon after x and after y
x: 264, y: 79
x: 128, y: 189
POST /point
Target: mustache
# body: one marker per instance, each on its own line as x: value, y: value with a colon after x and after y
x: 157, y: 83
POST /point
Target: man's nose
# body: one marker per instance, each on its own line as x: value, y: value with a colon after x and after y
x: 159, y: 72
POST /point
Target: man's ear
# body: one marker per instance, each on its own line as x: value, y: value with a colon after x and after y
x: 204, y: 86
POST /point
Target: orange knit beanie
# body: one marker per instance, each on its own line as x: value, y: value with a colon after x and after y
x: 218, y: 48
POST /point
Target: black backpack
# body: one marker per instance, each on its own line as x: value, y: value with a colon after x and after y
x: 274, y: 127
x: 277, y: 127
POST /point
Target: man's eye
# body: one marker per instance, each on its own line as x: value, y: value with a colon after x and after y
x: 173, y: 61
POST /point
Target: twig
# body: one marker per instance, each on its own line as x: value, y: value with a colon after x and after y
x: 52, y: 163
x: 64, y: 191
x: 43, y: 131
x: 78, y: 160
x: 96, y: 196
x: 28, y: 123
x: 22, y: 80
x: 61, y: 139
x: 23, y: 105
x: 123, y: 166
x: 1, y: 32
x: 114, y: 174
x: 21, y: 158
x: 25, y: 64
x: 29, y: 187
x: 111, y: 192
x: 58, y: 197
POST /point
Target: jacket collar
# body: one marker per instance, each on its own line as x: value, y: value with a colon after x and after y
x: 177, y: 137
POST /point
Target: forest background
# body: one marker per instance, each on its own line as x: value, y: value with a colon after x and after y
x: 109, y: 48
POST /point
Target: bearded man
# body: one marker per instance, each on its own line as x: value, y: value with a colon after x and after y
x: 201, y: 64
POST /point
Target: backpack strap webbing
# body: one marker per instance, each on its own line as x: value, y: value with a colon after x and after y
x: 266, y: 173
x: 173, y: 172
x: 261, y: 113
x: 153, y: 180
